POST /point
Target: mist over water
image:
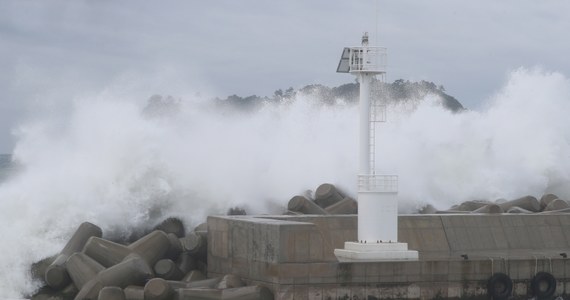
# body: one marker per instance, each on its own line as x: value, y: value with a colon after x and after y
x: 107, y: 162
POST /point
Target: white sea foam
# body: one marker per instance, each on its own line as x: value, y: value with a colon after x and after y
x: 105, y: 162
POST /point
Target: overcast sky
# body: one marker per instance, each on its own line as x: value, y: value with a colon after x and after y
x: 55, y: 51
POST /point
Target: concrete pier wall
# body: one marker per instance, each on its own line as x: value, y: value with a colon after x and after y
x: 293, y: 255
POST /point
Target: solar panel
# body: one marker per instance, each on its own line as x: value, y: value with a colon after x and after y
x: 344, y: 63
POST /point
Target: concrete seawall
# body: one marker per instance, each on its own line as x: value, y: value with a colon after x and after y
x: 293, y: 255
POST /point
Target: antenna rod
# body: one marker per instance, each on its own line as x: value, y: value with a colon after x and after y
x: 376, y: 33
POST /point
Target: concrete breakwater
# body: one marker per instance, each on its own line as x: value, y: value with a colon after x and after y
x: 165, y: 264
x: 478, y: 249
x: 462, y: 256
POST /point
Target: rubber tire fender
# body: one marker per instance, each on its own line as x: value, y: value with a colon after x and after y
x: 535, y: 285
x: 499, y: 280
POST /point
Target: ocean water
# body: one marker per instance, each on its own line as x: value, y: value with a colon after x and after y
x: 103, y: 160
x: 5, y: 161
x: 6, y: 166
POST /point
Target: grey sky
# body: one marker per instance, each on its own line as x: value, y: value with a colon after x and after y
x: 54, y: 51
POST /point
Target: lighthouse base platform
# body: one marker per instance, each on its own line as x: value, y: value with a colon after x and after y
x: 363, y: 252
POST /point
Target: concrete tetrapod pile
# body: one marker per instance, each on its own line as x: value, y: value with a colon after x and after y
x: 548, y: 203
x: 162, y: 265
x: 328, y: 200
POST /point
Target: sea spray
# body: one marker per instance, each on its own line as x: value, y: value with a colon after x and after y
x: 105, y: 161
x: 519, y: 144
x: 108, y: 163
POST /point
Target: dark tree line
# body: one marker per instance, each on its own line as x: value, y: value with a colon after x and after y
x: 399, y: 90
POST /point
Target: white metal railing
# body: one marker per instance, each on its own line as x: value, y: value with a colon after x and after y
x: 367, y: 59
x: 378, y: 183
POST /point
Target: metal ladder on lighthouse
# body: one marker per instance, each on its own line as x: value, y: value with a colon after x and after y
x: 377, y: 115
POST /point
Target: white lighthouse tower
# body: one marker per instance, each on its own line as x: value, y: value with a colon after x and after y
x: 377, y: 194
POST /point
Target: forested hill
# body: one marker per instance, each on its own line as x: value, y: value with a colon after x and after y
x: 399, y: 90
